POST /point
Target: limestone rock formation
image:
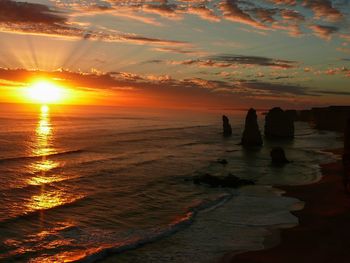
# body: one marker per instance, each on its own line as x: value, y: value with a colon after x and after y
x: 251, y: 134
x: 279, y: 124
x: 226, y: 126
x: 278, y: 157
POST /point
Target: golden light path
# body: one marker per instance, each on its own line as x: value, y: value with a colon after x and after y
x: 44, y: 146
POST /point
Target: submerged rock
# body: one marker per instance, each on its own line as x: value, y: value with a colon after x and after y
x: 279, y: 124
x: 278, y: 157
x: 226, y: 126
x: 222, y: 161
x: 251, y: 134
x: 228, y: 181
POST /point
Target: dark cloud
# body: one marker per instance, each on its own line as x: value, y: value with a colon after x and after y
x: 337, y: 93
x: 226, y: 61
x: 21, y: 12
x: 253, y: 60
x: 278, y: 88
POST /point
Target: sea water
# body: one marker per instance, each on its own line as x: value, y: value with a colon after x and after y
x: 113, y: 184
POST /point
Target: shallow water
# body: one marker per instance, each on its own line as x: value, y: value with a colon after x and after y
x: 79, y: 186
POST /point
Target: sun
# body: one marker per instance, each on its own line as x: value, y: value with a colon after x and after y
x: 45, y: 91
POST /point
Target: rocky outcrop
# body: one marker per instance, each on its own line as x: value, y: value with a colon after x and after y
x: 292, y: 114
x: 226, y: 126
x: 346, y: 155
x: 228, y: 181
x: 278, y: 157
x: 279, y: 124
x: 331, y: 118
x: 251, y: 134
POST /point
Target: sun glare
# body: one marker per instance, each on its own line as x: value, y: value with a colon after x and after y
x: 44, y: 91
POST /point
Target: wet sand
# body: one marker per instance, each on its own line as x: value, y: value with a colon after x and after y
x: 323, y: 234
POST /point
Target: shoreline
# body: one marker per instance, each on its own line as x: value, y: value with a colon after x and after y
x: 323, y: 233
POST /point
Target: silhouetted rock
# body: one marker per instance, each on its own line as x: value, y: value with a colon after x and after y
x: 333, y: 118
x: 292, y: 114
x: 226, y: 126
x: 278, y: 124
x: 251, y: 135
x: 228, y: 181
x: 278, y: 157
x: 222, y: 161
x: 346, y: 155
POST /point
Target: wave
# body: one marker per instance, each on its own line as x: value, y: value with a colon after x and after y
x: 37, y: 212
x: 24, y: 158
x: 156, y: 234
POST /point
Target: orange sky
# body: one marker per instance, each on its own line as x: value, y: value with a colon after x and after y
x: 175, y: 53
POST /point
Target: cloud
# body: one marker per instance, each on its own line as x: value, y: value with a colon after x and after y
x: 233, y: 12
x: 26, y: 13
x: 324, y: 32
x: 267, y: 15
x: 289, y: 14
x: 164, y: 88
x: 259, y: 88
x: 232, y: 61
x: 324, y: 9
x: 204, y: 12
x: 38, y: 19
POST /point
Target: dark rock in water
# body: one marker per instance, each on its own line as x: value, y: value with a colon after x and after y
x: 208, y: 179
x: 346, y: 155
x: 222, y: 161
x: 278, y: 156
x: 227, y: 181
x: 233, y: 181
x: 278, y: 124
x: 226, y: 126
x: 251, y: 135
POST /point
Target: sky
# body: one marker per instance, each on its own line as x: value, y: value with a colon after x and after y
x: 179, y: 53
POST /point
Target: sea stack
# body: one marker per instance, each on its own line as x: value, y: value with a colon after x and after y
x: 226, y: 126
x: 346, y: 155
x: 279, y: 124
x: 278, y: 157
x: 251, y: 135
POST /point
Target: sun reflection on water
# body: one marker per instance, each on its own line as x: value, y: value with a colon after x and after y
x: 47, y: 198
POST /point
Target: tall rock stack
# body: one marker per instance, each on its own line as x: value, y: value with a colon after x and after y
x: 227, y: 129
x: 251, y: 135
x: 279, y: 124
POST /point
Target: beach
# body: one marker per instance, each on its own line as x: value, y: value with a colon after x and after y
x: 323, y: 232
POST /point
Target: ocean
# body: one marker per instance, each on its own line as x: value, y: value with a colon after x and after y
x: 113, y: 184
